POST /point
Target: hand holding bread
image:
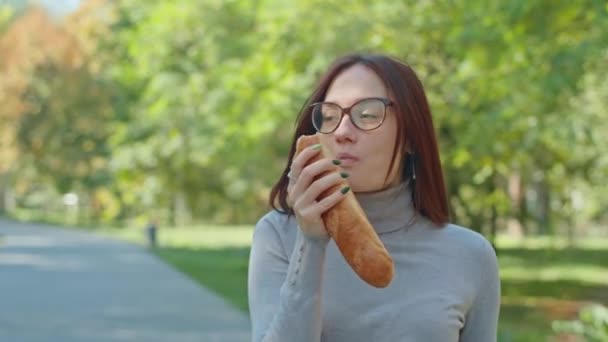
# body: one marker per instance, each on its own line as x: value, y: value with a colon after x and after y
x: 304, y: 190
x: 325, y: 208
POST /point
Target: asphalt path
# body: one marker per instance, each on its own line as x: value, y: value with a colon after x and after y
x: 66, y: 285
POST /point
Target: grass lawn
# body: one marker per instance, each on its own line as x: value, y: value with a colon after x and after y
x: 542, y: 280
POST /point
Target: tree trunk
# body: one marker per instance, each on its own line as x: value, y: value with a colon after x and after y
x: 544, y: 202
x: 182, y: 214
x: 7, y: 197
x: 494, y: 227
x: 515, y: 220
x: 3, y: 186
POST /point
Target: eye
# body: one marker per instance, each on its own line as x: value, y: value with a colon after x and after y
x: 369, y: 116
x: 330, y: 113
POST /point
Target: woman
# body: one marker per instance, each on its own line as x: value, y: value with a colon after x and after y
x: 375, y: 120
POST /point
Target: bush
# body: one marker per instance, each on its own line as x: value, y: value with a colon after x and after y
x: 592, y: 324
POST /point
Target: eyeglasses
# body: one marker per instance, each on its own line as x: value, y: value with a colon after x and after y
x: 366, y: 114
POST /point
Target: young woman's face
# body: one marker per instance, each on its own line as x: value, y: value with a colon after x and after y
x: 365, y: 155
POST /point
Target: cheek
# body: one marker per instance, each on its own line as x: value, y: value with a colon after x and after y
x: 382, y: 147
x: 381, y: 160
x: 379, y: 153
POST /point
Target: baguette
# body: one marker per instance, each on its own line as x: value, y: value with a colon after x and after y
x: 352, y: 232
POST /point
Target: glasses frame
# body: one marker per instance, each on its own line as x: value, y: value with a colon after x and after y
x: 347, y: 110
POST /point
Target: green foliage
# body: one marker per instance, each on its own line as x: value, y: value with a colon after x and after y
x: 204, y: 95
x: 6, y: 14
x: 592, y: 324
x: 59, y: 135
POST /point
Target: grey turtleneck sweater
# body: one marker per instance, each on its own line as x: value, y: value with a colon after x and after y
x: 446, y: 285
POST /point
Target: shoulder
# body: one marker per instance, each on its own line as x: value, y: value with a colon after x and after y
x: 273, y: 224
x: 274, y: 233
x: 275, y: 219
x: 469, y: 244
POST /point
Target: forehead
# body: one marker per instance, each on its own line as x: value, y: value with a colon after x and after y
x: 355, y: 83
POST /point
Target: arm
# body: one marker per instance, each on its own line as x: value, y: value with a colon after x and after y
x: 285, y: 290
x: 482, y: 319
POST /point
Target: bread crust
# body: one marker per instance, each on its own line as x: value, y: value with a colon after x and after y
x: 352, y: 232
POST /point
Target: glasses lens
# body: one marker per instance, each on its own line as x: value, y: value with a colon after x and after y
x: 326, y: 117
x: 368, y: 114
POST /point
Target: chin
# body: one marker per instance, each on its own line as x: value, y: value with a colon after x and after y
x: 358, y: 187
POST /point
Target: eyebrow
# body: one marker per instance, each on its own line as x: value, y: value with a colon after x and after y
x: 355, y: 100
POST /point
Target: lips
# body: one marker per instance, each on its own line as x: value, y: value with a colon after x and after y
x: 347, y: 159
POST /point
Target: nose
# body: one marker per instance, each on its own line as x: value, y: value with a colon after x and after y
x: 346, y: 129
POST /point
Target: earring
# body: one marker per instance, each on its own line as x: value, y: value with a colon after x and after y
x: 409, y: 171
x: 413, y: 167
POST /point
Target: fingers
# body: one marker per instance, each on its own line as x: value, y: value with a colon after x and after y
x: 321, y: 185
x: 302, y: 158
x: 307, y: 175
x: 296, y: 169
x: 331, y: 200
x: 307, y: 204
x: 310, y: 172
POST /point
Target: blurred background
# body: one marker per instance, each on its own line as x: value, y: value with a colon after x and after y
x: 119, y: 113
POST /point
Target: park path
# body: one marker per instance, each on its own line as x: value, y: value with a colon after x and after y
x: 65, y: 285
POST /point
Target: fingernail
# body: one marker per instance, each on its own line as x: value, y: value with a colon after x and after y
x: 344, y: 174
x: 316, y: 147
x: 345, y: 189
x: 336, y: 161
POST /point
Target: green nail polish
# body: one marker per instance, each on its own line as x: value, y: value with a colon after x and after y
x: 336, y: 161
x: 345, y: 189
x: 316, y: 147
x: 344, y: 174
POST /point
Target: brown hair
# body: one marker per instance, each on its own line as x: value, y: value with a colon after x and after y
x: 415, y: 130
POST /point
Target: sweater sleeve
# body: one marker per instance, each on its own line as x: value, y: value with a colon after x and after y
x: 481, y: 322
x: 285, y: 290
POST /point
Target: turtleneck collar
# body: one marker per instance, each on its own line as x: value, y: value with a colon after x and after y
x: 390, y: 209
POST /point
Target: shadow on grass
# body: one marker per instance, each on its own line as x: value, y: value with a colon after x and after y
x: 223, y: 271
x: 529, y: 305
x: 545, y: 256
x: 523, y: 324
x: 555, y: 289
x: 560, y: 289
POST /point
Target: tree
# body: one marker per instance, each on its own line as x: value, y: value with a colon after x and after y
x: 57, y: 114
x: 199, y: 99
